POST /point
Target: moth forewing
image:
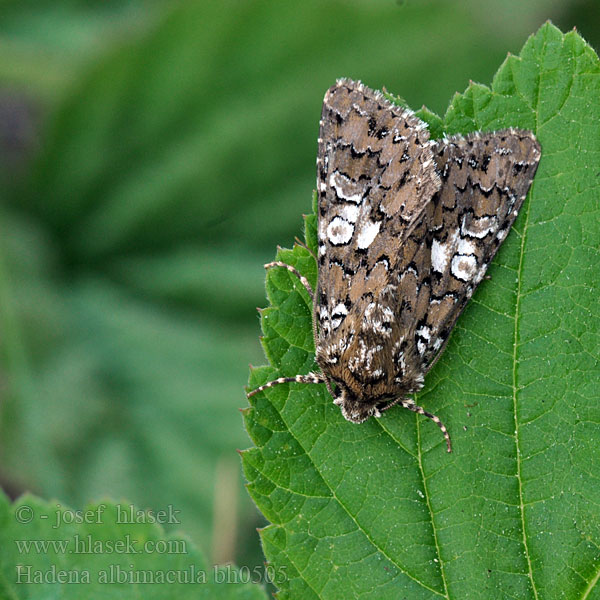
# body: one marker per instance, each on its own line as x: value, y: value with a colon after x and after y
x: 406, y: 231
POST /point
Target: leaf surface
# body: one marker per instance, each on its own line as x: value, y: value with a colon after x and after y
x: 380, y: 510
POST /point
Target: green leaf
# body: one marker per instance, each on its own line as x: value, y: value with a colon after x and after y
x: 381, y: 510
x: 108, y: 550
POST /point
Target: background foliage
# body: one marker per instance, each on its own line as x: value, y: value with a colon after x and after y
x: 108, y: 554
x: 153, y: 155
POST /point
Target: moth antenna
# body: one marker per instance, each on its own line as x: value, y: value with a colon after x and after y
x: 412, y: 406
x: 309, y: 378
x: 301, y: 243
x: 293, y: 270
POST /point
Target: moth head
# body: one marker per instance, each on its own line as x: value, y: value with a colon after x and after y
x: 352, y: 408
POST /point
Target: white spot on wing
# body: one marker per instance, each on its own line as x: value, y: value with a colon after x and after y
x: 466, y: 247
x: 441, y: 253
x: 440, y: 256
x: 464, y: 267
x: 367, y: 234
x: 337, y: 315
x: 339, y: 231
x: 340, y: 309
x: 424, y: 332
x: 337, y: 181
x: 350, y: 212
x: 478, y: 227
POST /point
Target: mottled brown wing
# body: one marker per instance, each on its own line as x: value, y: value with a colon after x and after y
x: 375, y: 175
x: 485, y: 178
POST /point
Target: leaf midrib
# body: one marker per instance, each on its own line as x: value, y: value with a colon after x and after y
x: 334, y: 496
x: 591, y: 585
x: 516, y: 345
x: 515, y: 393
x: 430, y: 509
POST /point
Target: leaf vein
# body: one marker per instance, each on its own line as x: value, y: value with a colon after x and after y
x: 515, y: 393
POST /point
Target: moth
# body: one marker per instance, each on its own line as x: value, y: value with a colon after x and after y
x: 406, y: 230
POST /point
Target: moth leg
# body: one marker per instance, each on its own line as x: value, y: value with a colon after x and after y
x: 301, y: 243
x: 407, y: 403
x: 309, y: 378
x: 291, y: 269
x: 309, y: 289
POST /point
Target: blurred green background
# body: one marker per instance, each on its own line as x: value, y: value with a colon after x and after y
x: 153, y: 156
